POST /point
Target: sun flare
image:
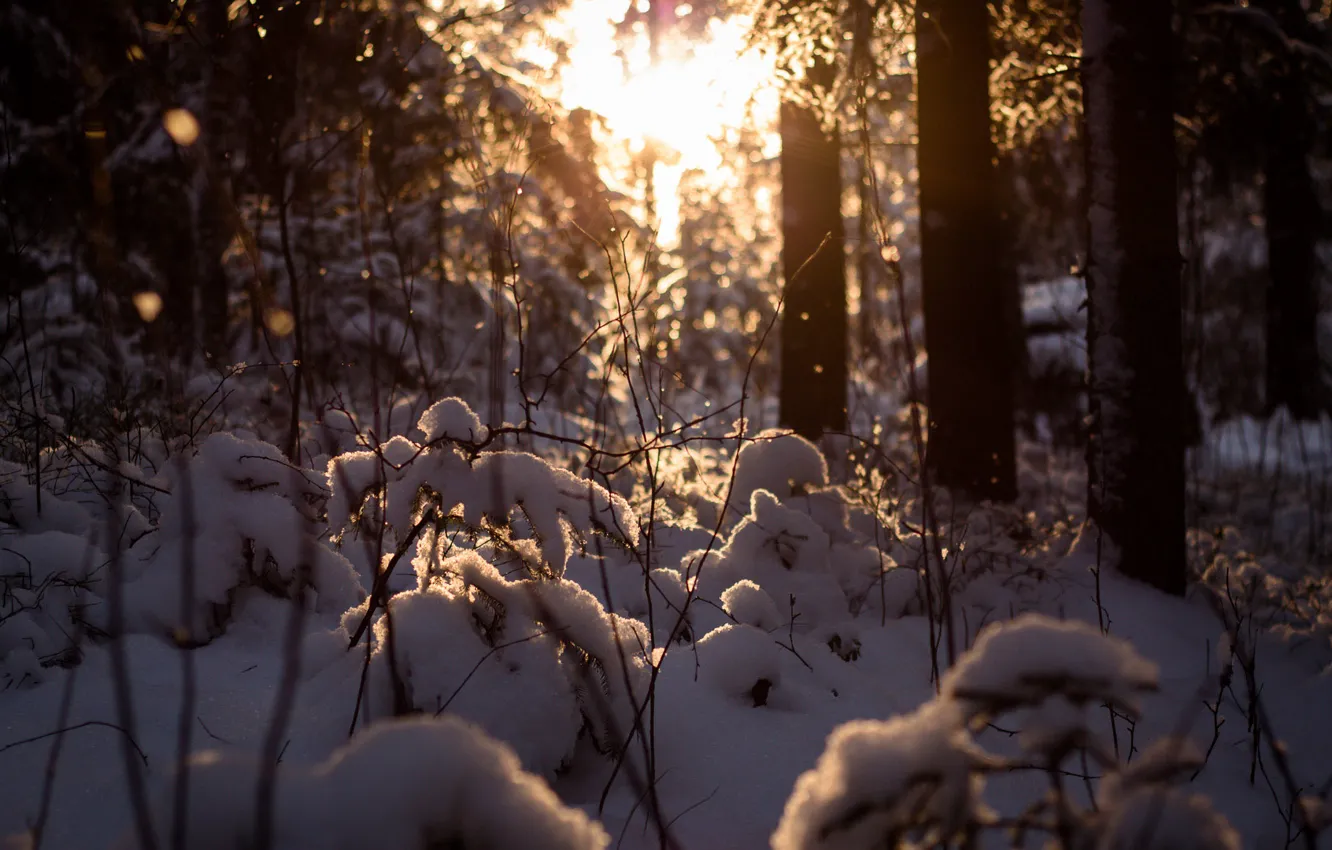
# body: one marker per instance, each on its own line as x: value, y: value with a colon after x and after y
x: 685, y: 102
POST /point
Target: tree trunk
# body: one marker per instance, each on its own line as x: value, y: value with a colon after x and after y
x: 213, y: 218
x: 967, y: 309
x: 1293, y: 219
x: 1134, y: 338
x: 814, y: 322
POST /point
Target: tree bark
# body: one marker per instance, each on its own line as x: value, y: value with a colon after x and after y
x: 1134, y: 336
x: 814, y: 321
x: 1294, y: 372
x: 1293, y: 221
x: 213, y: 218
x: 968, y: 311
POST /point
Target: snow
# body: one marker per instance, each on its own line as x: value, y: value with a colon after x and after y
x: 553, y: 503
x: 781, y: 463
x: 400, y: 785
x: 793, y: 707
x: 879, y: 779
x: 1275, y: 446
x: 746, y: 602
x: 517, y: 694
x: 450, y: 419
x: 236, y: 519
x: 1057, y: 303
x: 439, y: 781
x: 785, y: 552
x: 1165, y: 819
x: 741, y: 662
x: 42, y: 579
x: 1024, y: 661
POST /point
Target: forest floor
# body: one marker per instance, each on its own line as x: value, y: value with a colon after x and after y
x: 725, y: 766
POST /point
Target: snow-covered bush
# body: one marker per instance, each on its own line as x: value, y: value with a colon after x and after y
x: 530, y: 656
x: 515, y: 495
x: 44, y: 580
x: 1035, y: 662
x: 879, y: 782
x: 784, y: 552
x: 235, y: 517
x: 534, y: 661
x: 783, y: 464
x: 741, y: 662
x: 226, y: 519
x: 1256, y: 594
x: 800, y: 556
x: 46, y: 562
x: 50, y: 557
x: 412, y: 784
x: 917, y: 780
x: 749, y: 604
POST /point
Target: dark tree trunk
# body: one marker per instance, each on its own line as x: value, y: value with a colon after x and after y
x: 814, y: 322
x: 1293, y: 219
x: 1294, y: 378
x: 214, y: 218
x: 1011, y: 286
x: 965, y: 286
x: 1134, y: 338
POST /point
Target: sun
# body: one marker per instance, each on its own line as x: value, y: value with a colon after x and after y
x: 688, y: 97
x: 685, y: 102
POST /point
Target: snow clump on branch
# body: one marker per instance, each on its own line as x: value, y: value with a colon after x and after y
x: 237, y: 517
x: 495, y: 487
x: 917, y: 780
x: 536, y: 661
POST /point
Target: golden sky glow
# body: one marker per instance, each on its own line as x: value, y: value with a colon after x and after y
x: 691, y: 96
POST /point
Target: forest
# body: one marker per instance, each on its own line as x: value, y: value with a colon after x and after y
x: 665, y: 424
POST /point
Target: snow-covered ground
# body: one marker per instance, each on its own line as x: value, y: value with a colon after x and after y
x: 560, y: 617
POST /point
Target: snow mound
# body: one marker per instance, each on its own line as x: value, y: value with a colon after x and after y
x: 781, y: 463
x: 449, y: 419
x: 1026, y: 660
x: 444, y: 783
x: 511, y: 685
x: 740, y: 662
x: 237, y: 517
x: 877, y: 780
x: 408, y: 784
x: 43, y: 589
x: 785, y: 553
x: 553, y: 504
x: 18, y: 506
x: 750, y: 604
x: 534, y: 661
x: 1154, y: 818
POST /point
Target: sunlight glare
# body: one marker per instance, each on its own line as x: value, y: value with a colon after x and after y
x: 688, y: 98
x: 685, y: 102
